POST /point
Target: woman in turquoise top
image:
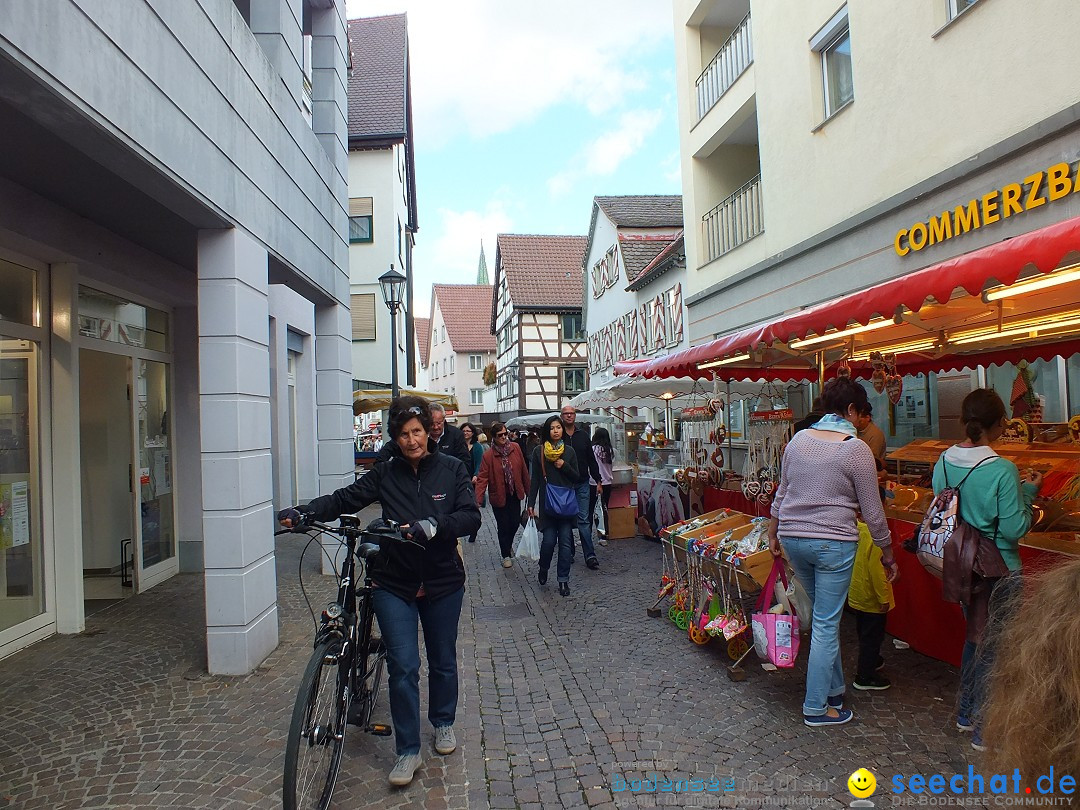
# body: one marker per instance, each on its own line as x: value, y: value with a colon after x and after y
x: 998, y: 503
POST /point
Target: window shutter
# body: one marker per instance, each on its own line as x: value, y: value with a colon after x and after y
x: 363, y: 316
x: 360, y: 206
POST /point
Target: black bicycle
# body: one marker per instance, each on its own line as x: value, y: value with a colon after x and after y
x: 340, y: 686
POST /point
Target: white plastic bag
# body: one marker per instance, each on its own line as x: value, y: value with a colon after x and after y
x: 529, y: 547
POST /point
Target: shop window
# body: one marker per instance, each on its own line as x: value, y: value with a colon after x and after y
x: 1034, y: 391
x: 833, y: 42
x: 17, y: 294
x: 103, y: 316
x: 21, y: 547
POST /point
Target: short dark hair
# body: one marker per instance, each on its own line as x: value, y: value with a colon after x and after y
x: 980, y: 411
x: 840, y: 393
x: 406, y: 408
x: 494, y: 428
x: 545, y: 434
x: 867, y: 409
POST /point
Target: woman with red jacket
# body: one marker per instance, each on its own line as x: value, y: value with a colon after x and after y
x: 505, y: 477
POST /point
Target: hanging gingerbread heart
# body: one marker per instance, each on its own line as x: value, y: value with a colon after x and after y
x: 716, y: 405
x: 894, y: 387
x: 752, y: 489
x: 843, y: 369
x: 878, y: 379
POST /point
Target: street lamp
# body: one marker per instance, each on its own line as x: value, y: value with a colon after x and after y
x: 393, y: 293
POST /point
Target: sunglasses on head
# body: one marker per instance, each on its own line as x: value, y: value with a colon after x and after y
x: 415, y: 410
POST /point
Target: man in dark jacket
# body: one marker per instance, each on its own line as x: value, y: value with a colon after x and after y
x: 450, y: 439
x: 579, y: 439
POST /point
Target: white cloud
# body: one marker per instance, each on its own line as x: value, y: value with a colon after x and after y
x: 485, y: 66
x: 451, y: 255
x: 603, y: 156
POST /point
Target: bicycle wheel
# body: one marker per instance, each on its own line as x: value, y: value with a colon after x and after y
x: 316, y: 733
x: 372, y: 678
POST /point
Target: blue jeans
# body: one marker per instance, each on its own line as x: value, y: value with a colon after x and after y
x: 824, y: 569
x: 561, y: 530
x: 584, y: 521
x: 398, y: 624
x: 978, y: 657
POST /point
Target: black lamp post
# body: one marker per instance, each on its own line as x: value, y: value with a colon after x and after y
x: 393, y: 293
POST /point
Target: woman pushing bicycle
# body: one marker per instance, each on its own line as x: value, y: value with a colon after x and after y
x: 431, y: 495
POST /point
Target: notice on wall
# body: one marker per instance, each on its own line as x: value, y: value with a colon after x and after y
x: 14, y: 514
x: 162, y: 476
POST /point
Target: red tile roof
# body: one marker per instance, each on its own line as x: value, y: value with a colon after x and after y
x: 673, y: 253
x: 422, y: 326
x: 465, y: 309
x: 544, y: 272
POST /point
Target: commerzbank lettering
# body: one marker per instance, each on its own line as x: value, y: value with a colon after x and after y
x: 1057, y: 182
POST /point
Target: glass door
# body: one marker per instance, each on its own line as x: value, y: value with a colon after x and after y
x: 156, y: 558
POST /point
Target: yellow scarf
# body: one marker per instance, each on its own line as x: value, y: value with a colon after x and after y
x: 554, y: 453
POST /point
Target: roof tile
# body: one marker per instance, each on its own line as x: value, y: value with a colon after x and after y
x: 422, y: 327
x: 379, y: 47
x: 644, y: 210
x: 465, y: 309
x: 542, y: 271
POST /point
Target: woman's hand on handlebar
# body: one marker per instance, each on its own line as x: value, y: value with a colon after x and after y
x: 296, y: 516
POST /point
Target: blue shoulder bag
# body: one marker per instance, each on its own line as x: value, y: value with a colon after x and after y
x: 560, y: 501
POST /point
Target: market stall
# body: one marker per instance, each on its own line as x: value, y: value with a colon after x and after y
x: 1007, y: 317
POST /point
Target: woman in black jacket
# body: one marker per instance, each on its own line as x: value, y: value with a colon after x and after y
x: 431, y: 494
x: 553, y: 463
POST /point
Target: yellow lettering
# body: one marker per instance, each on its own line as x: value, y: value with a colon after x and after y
x: 1076, y: 180
x: 1033, y: 199
x: 990, y: 213
x: 966, y: 218
x: 1058, y: 183
x: 1010, y: 200
x: 901, y: 249
x: 940, y: 228
x: 917, y: 236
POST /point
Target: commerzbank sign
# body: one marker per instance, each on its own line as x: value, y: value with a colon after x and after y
x: 1041, y: 188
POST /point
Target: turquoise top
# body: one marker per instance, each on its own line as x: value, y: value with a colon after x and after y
x: 477, y: 454
x: 992, y: 492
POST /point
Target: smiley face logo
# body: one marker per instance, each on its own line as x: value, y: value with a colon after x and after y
x: 862, y: 784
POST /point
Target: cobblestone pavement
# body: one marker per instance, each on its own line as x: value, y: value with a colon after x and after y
x: 559, y: 696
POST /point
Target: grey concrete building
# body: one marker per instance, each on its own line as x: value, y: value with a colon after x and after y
x: 174, y: 324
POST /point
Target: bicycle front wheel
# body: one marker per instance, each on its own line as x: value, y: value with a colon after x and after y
x: 317, y: 731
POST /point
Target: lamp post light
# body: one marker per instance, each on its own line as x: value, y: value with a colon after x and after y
x: 393, y: 293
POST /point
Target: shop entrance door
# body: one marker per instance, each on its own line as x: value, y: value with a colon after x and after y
x: 106, y: 444
x: 129, y: 540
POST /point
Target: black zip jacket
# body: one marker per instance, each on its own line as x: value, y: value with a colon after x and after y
x: 440, y: 491
x: 565, y: 477
x: 586, y: 461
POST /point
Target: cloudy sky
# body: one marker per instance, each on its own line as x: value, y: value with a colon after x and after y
x: 524, y: 111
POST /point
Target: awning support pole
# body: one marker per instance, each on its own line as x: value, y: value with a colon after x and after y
x: 729, y: 410
x: 821, y: 370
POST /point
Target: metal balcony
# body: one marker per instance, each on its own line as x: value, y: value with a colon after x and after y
x: 730, y: 62
x: 736, y: 220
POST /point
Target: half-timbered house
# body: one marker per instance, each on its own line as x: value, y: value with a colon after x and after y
x: 536, y: 318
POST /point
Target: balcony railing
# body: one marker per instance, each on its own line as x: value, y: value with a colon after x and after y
x: 730, y: 62
x: 736, y: 220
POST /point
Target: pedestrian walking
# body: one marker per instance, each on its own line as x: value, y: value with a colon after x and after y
x: 605, y: 456
x: 578, y: 438
x: 476, y: 452
x: 450, y: 439
x: 554, y: 464
x: 827, y: 477
x: 504, y: 476
x: 420, y: 580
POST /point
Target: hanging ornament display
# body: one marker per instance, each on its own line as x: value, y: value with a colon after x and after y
x: 768, y: 431
x: 894, y: 383
x: 843, y: 369
x: 877, y: 378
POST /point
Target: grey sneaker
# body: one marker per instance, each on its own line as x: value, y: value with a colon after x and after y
x: 445, y: 741
x: 404, y: 769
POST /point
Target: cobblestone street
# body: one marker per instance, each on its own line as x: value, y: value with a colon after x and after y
x: 559, y: 695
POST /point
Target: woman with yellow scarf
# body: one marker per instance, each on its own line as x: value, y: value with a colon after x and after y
x: 554, y: 473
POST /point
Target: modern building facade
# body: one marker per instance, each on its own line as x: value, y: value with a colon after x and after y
x: 461, y: 344
x: 831, y: 147
x: 537, y: 322
x: 174, y: 323
x: 382, y: 196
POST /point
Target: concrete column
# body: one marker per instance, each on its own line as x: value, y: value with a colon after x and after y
x: 66, y: 477
x: 333, y: 403
x: 237, y: 486
x: 187, y: 450
x: 329, y: 84
x: 277, y: 25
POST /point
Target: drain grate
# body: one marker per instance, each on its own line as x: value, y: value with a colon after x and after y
x: 490, y: 613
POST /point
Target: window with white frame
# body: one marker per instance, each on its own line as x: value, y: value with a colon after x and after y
x: 573, y: 330
x: 443, y: 335
x: 476, y: 396
x: 573, y: 380
x: 958, y: 7
x: 451, y: 364
x: 476, y: 362
x: 833, y: 42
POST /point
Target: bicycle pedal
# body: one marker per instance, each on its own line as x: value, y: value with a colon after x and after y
x: 381, y: 730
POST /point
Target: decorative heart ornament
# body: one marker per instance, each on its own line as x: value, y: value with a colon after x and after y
x: 894, y: 387
x: 752, y: 489
x: 878, y: 379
